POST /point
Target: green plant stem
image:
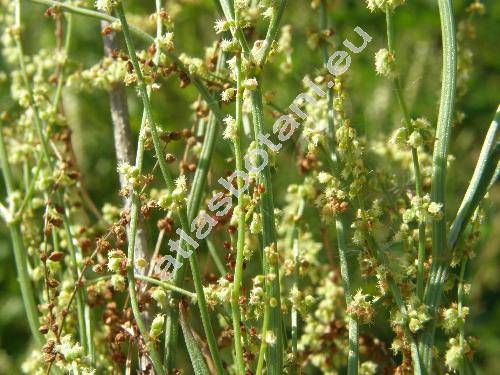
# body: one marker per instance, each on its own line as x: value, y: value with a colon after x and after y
x: 31, y: 188
x: 263, y: 344
x: 414, y: 153
x: 296, y: 282
x: 67, y: 46
x: 181, y: 211
x: 393, y: 288
x: 216, y: 258
x: 19, y: 251
x: 166, y: 285
x: 274, y: 353
x: 324, y: 51
x: 59, y: 198
x: 238, y: 271
x: 134, y: 209
x: 155, y: 359
x: 197, y: 361
x: 272, y: 315
x: 194, y: 203
x: 440, y: 251
x: 341, y: 223
x: 353, y: 355
x: 484, y: 176
x: 340, y: 219
x: 481, y: 180
x: 460, y: 300
x: 272, y: 30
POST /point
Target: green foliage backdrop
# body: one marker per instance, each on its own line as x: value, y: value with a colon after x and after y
x: 372, y: 108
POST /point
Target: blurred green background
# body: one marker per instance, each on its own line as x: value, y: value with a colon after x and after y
x: 373, y: 110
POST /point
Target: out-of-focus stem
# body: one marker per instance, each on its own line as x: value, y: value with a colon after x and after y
x: 414, y: 153
x: 238, y: 271
x: 296, y: 276
x: 460, y: 299
x: 67, y: 46
x: 20, y: 251
x: 59, y: 199
x: 122, y: 135
x: 340, y: 220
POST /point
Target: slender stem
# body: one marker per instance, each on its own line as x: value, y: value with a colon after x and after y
x: 86, y: 313
x: 155, y: 359
x: 216, y: 258
x: 414, y: 153
x: 194, y: 203
x: 440, y: 251
x: 480, y: 182
x: 238, y: 271
x: 324, y: 52
x: 80, y: 304
x: 19, y: 251
x: 31, y: 188
x: 340, y: 221
x: 334, y: 161
x: 166, y: 285
x: 460, y: 299
x: 263, y: 342
x: 295, y: 287
x: 353, y: 356
x: 67, y: 46
x: 272, y: 315
x: 59, y: 199
x: 134, y: 210
x: 274, y: 355
x: 181, y: 212
x: 272, y: 31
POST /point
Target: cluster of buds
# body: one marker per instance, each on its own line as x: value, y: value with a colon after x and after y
x: 73, y: 356
x: 175, y: 199
x: 160, y: 296
x: 333, y: 200
x: 106, y: 6
x: 117, y: 263
x: 417, y: 317
x: 457, y: 353
x: 383, y: 5
x: 452, y: 319
x: 423, y: 210
x: 218, y: 294
x: 132, y: 175
x: 420, y: 133
x: 102, y: 75
x: 361, y: 307
x: 385, y: 63
x: 301, y: 301
x: 166, y: 41
x: 231, y: 131
x: 157, y: 326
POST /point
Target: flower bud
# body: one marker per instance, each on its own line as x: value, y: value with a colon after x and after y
x: 385, y: 63
x: 157, y: 326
